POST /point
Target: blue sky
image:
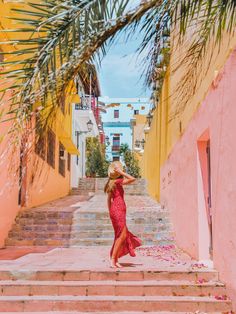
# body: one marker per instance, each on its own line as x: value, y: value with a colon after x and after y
x: 121, y: 70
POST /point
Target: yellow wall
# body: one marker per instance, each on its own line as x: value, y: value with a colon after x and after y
x: 42, y: 183
x: 169, y: 119
x: 60, y: 123
x: 157, y: 142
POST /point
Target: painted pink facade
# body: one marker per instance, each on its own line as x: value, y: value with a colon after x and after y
x: 185, y: 185
x: 8, y: 181
x: 41, y: 183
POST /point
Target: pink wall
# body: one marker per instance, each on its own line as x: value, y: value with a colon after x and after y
x: 9, y: 185
x: 184, y: 192
x: 47, y: 184
x: 41, y: 184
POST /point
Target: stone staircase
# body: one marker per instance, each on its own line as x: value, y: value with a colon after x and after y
x: 41, y: 228
x: 87, y: 186
x: 112, y: 291
x: 88, y: 223
x: 139, y: 187
x: 91, y: 225
x: 47, y: 225
x: 78, y: 279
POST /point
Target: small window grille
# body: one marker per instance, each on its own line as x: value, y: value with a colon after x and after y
x: 69, y: 162
x: 40, y: 140
x: 62, y: 161
x: 116, y: 113
x: 51, y: 145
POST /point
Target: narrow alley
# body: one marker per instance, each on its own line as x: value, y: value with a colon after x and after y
x: 72, y: 275
x: 117, y: 156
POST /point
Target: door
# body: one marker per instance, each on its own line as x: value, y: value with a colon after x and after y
x: 20, y: 176
x: 209, y: 200
x: 22, y: 173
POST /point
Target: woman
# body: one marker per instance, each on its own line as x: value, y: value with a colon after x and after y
x: 125, y: 242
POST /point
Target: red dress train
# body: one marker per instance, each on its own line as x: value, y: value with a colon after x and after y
x: 118, y: 218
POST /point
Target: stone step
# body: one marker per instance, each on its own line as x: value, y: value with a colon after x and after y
x: 110, y: 234
x: 135, y: 215
x: 30, y: 235
x: 42, y: 228
x: 138, y: 221
x: 112, y: 303
x: 37, y: 242
x: 44, y: 214
x: 118, y: 288
x: 32, y: 221
x: 117, y: 275
x: 109, y: 242
x: 107, y: 238
x: 81, y: 192
x: 73, y: 312
x: 133, y: 228
x: 114, y: 312
x: 91, y: 242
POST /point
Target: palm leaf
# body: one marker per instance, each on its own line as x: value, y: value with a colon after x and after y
x: 66, y: 35
x: 74, y: 33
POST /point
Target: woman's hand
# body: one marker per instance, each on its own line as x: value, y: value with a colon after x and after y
x: 127, y: 177
x: 118, y: 170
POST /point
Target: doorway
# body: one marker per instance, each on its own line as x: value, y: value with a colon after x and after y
x: 22, y: 173
x: 205, y: 198
x: 209, y: 201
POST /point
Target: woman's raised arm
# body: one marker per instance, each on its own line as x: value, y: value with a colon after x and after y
x: 128, y: 179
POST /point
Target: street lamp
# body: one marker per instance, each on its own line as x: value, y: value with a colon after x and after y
x: 149, y: 118
x: 140, y: 144
x: 90, y: 125
x: 143, y: 142
x: 137, y: 143
x: 107, y: 141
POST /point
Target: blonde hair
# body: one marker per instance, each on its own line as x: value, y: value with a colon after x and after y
x: 109, y: 186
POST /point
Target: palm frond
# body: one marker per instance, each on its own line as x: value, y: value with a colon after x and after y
x: 63, y: 36
x: 71, y: 33
x: 211, y: 19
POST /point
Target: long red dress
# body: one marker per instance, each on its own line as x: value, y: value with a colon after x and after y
x: 118, y: 217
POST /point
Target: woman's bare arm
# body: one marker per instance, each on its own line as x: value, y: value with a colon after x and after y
x: 128, y: 179
x: 109, y: 200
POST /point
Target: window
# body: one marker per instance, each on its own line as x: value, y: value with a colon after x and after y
x: 1, y: 59
x: 136, y: 111
x: 77, y: 145
x: 68, y: 162
x: 116, y: 142
x: 40, y: 140
x: 116, y: 158
x: 61, y: 102
x: 116, y: 113
x: 51, y: 144
x: 40, y: 146
x: 62, y: 162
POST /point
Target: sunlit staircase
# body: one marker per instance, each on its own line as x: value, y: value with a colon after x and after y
x: 93, y: 227
x: 126, y: 291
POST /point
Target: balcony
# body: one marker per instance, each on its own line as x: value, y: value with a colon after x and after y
x: 116, y: 148
x: 87, y: 102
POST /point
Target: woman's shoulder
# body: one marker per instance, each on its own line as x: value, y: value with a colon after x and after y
x: 119, y: 181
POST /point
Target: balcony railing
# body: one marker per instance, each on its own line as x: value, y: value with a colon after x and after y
x: 86, y: 103
x: 115, y: 148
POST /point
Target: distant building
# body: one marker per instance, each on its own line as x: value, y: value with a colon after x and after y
x: 117, y: 122
x: 86, y: 119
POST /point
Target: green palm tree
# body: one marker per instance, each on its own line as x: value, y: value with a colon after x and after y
x: 65, y: 36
